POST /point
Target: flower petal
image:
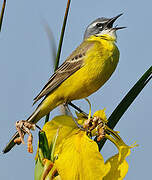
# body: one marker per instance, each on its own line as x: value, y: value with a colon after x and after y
x: 118, y: 164
x: 79, y: 159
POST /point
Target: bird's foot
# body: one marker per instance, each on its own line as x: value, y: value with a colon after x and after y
x: 95, y: 122
x: 78, y: 125
x: 22, y: 128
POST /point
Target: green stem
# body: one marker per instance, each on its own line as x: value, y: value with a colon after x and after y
x: 60, y: 44
x: 78, y: 109
x: 2, y: 14
x: 126, y: 102
x: 62, y: 35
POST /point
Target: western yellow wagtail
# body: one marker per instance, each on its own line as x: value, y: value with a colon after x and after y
x: 82, y: 73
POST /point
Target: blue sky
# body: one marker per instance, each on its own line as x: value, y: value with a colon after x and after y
x: 26, y: 64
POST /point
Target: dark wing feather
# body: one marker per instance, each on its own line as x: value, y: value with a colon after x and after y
x: 73, y: 63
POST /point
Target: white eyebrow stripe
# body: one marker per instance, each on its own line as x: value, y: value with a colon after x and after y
x: 94, y: 24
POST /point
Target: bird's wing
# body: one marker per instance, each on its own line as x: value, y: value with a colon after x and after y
x: 72, y: 64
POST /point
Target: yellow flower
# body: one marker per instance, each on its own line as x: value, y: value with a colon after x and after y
x: 76, y: 156
x: 79, y: 158
x: 118, y: 164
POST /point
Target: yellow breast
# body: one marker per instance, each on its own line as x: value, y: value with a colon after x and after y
x: 102, y: 59
x: 100, y: 62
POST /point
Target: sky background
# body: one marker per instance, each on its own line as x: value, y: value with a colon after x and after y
x: 26, y: 65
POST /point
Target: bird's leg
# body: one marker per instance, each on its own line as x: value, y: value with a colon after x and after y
x: 78, y: 125
x: 77, y: 108
x: 22, y: 128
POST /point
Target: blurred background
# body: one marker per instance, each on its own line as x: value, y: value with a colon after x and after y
x: 26, y: 65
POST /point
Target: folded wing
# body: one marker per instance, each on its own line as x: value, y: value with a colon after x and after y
x: 72, y: 64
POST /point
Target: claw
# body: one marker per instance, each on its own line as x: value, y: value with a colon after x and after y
x: 18, y: 140
x: 19, y: 127
x: 29, y: 144
x: 98, y: 123
x: 22, y: 128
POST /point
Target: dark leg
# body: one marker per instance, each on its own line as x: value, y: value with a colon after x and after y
x: 77, y: 108
x: 78, y: 125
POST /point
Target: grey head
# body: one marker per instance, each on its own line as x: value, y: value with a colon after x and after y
x: 101, y: 26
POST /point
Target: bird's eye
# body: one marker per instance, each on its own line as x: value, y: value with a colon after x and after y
x: 99, y: 24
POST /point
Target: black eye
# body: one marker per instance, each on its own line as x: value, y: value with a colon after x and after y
x: 99, y: 24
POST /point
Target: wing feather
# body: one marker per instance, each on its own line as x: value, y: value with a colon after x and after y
x: 72, y: 64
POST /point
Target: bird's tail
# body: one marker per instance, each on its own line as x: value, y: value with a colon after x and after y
x: 43, y: 108
x: 11, y: 143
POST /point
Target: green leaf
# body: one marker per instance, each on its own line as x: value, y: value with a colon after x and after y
x: 43, y: 145
x: 126, y: 102
x: 38, y: 170
x: 52, y: 146
x: 43, y: 152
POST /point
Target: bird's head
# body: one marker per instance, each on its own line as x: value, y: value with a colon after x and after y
x: 102, y: 26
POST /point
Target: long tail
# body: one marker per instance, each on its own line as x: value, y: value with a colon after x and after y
x: 47, y: 105
x: 11, y: 143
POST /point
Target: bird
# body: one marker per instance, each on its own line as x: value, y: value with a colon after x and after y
x: 87, y: 69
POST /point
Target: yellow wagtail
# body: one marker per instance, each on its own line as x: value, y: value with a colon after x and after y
x: 82, y: 73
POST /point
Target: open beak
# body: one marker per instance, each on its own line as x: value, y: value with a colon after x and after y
x: 117, y: 28
x: 112, y: 20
